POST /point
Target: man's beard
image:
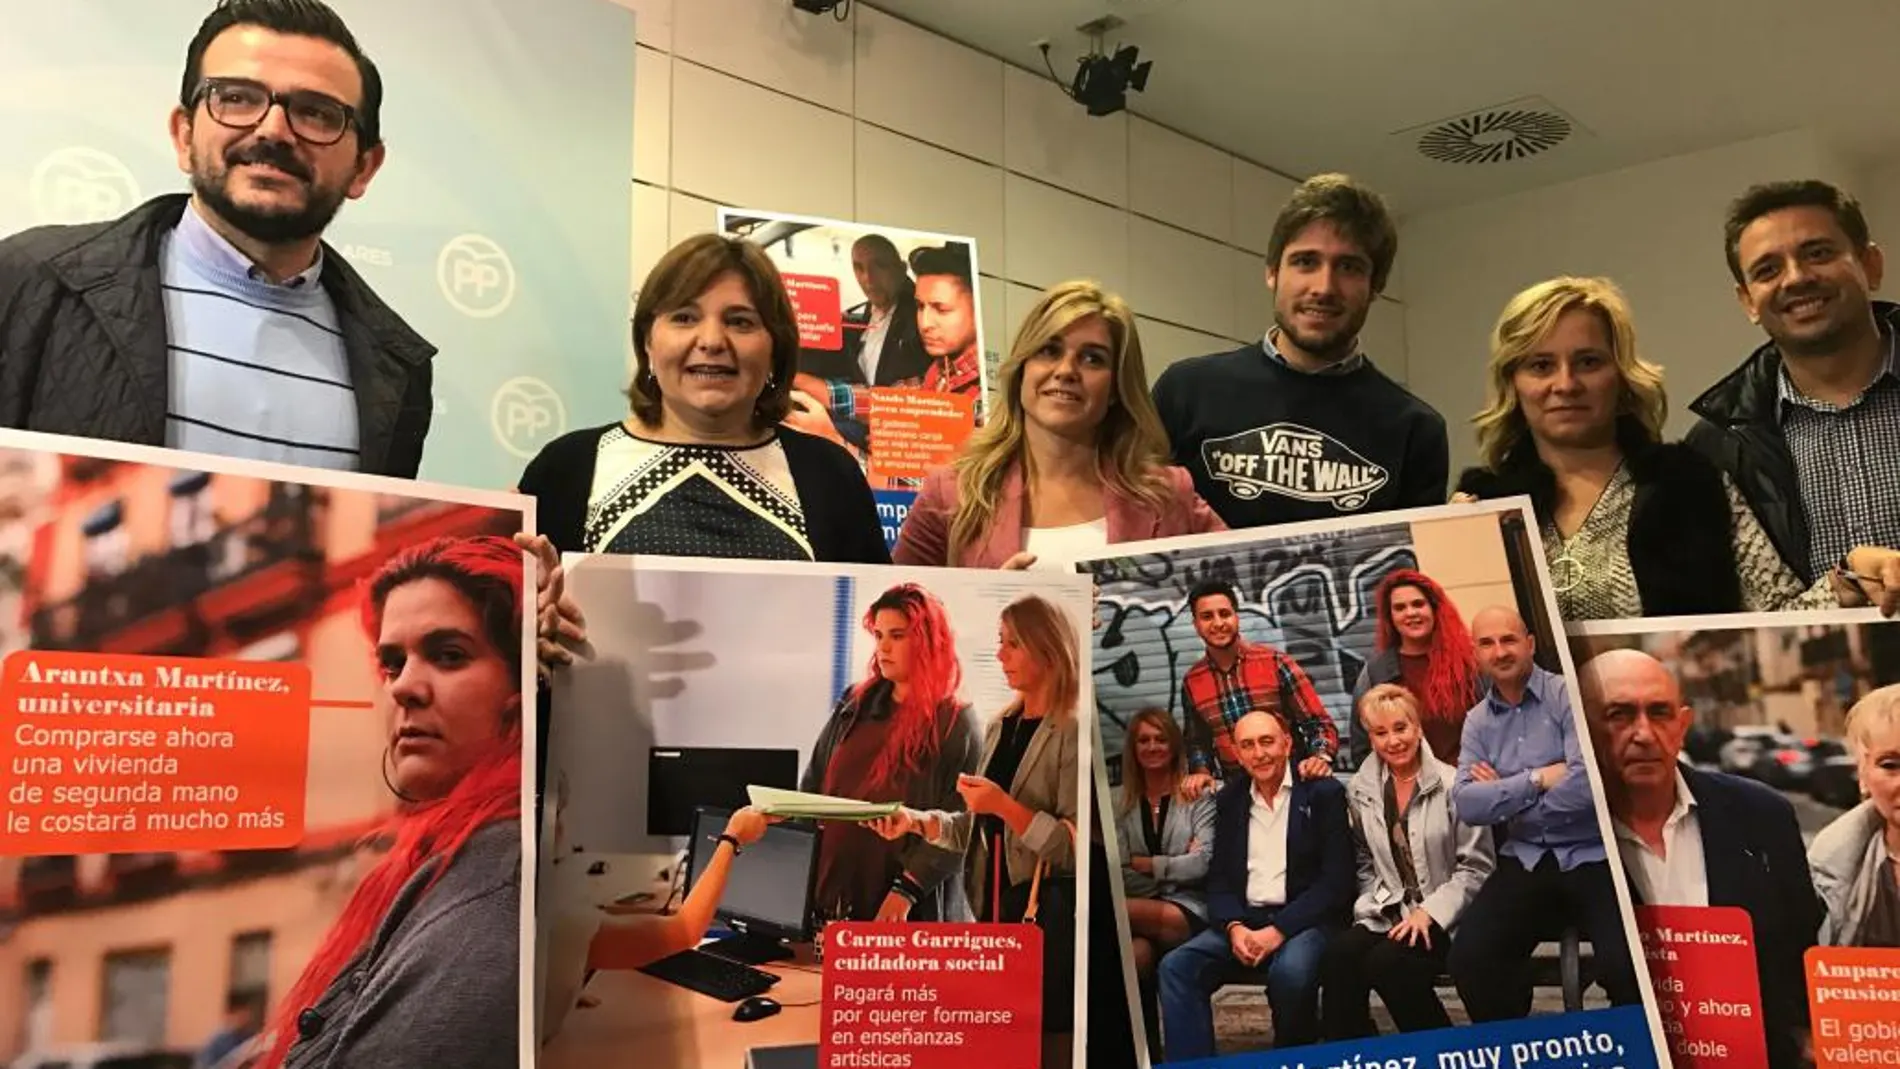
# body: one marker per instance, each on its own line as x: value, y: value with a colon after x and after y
x: 270, y: 226
x: 1330, y: 348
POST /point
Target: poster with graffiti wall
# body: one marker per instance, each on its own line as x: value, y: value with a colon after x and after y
x: 1342, y: 760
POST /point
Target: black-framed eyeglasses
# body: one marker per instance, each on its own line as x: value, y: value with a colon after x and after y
x: 242, y: 104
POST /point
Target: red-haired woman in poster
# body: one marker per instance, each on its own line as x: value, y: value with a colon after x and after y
x: 899, y: 735
x: 423, y: 966
x: 1423, y: 645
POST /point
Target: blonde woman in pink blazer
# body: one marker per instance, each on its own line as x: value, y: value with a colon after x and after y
x: 1072, y: 457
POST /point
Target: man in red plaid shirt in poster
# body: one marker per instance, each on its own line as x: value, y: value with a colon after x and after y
x: 1237, y: 677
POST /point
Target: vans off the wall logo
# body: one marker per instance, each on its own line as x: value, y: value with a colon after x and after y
x: 1293, y: 461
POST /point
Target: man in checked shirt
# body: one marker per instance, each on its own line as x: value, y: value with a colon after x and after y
x: 1237, y: 677
x: 1808, y: 427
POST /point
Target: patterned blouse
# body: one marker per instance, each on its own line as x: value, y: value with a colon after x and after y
x: 694, y: 500
x: 1594, y: 580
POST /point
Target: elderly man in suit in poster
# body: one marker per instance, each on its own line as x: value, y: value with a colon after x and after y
x: 1280, y: 883
x: 1694, y: 838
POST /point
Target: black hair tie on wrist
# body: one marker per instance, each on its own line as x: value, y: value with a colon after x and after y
x: 736, y: 848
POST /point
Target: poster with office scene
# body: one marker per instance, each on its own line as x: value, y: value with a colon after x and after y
x: 816, y: 815
x: 260, y: 729
x: 1349, y: 801
x: 891, y: 354
x: 1752, y: 769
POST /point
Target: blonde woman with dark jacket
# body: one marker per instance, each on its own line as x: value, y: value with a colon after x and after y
x: 1419, y: 867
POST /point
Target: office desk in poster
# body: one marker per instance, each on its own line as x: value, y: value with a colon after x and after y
x: 879, y: 684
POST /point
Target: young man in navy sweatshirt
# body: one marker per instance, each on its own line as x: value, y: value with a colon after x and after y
x: 1300, y: 425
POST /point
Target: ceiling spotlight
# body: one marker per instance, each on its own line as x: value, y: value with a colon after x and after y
x: 1102, y: 82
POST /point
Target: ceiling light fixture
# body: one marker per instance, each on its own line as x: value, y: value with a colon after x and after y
x: 1102, y: 81
x: 840, y: 9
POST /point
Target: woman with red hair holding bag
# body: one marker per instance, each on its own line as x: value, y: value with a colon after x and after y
x: 1424, y: 646
x: 423, y: 966
x: 900, y: 735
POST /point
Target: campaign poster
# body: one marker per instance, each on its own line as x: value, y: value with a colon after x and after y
x: 514, y: 271
x: 951, y: 704
x: 891, y: 360
x: 1753, y: 770
x: 1348, y: 796
x: 227, y: 690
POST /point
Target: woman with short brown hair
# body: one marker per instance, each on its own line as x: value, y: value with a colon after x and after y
x: 703, y: 466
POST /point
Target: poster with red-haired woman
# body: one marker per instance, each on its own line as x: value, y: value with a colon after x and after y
x: 812, y: 814
x: 262, y: 749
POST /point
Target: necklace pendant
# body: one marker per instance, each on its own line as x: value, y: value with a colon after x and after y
x: 1566, y: 572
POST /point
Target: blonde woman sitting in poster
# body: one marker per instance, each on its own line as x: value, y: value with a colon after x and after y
x: 1071, y: 457
x: 1017, y: 834
x: 1419, y: 867
x: 1856, y: 859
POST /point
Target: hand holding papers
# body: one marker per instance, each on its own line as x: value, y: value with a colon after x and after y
x: 800, y: 805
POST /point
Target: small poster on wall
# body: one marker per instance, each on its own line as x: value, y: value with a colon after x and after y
x: 891, y: 353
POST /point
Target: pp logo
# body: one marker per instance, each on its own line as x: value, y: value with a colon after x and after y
x: 475, y: 276
x: 82, y: 185
x: 526, y: 414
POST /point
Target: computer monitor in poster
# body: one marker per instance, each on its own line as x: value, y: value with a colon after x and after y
x: 683, y: 779
x: 768, y: 892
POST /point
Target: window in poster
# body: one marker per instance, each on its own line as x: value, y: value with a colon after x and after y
x: 1351, y: 805
x: 212, y: 762
x: 1753, y: 765
x: 891, y: 359
x: 924, y: 908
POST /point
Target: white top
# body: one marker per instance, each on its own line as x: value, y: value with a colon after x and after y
x: 871, y: 346
x: 1266, y: 844
x: 1058, y: 548
x: 1677, y: 877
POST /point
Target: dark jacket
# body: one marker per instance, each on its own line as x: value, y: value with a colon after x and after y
x: 1320, y: 873
x: 1681, y: 539
x: 83, y: 340
x: 902, y: 356
x: 840, y: 513
x: 934, y: 788
x: 1755, y: 860
x: 1740, y: 431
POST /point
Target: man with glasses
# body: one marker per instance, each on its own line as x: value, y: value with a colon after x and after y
x: 218, y: 321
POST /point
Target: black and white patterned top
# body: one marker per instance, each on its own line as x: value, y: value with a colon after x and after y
x: 694, y: 500
x: 1593, y: 578
x: 1847, y: 459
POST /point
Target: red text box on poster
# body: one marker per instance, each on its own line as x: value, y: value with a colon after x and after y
x: 819, y: 310
x: 1854, y: 1002
x: 116, y: 754
x: 913, y: 431
x: 1708, y: 990
x: 931, y: 996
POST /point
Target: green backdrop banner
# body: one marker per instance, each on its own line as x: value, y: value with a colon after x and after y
x: 499, y: 227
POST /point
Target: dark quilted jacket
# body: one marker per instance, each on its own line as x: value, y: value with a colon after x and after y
x: 82, y: 340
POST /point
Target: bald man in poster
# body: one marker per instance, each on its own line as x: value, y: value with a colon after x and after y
x: 1521, y: 772
x: 1694, y: 838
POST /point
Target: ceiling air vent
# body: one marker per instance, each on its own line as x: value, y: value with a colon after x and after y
x: 1496, y: 135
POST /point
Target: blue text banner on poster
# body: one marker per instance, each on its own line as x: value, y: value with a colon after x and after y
x: 498, y: 228
x: 1615, y: 1038
x: 892, y: 507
